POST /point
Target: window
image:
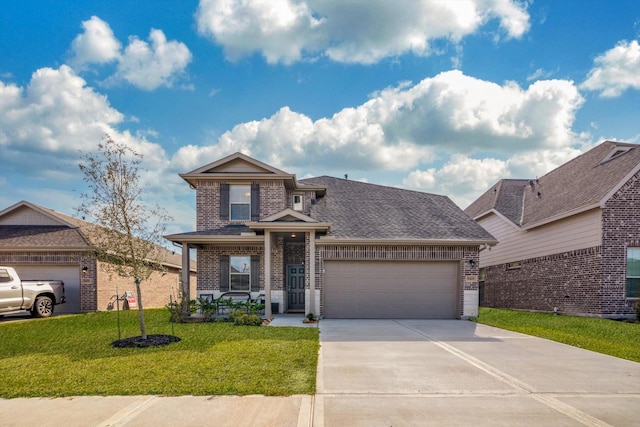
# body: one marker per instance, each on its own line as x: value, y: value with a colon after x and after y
x: 240, y: 202
x: 240, y: 273
x: 297, y: 202
x: 513, y: 265
x: 5, y: 277
x: 633, y: 272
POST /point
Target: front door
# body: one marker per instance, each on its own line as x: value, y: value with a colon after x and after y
x: 295, y: 285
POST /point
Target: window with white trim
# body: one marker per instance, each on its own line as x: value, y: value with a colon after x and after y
x: 633, y: 273
x: 240, y: 273
x: 240, y: 202
x: 297, y: 202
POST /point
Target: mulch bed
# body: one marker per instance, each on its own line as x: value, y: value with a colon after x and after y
x: 151, y: 341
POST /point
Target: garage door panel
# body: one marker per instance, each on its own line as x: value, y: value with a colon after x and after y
x: 391, y: 289
x: 69, y: 274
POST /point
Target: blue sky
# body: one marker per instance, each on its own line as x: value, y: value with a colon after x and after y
x: 439, y: 96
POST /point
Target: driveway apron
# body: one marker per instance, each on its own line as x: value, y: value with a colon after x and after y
x: 456, y: 372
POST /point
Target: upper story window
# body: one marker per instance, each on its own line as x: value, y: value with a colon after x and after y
x: 297, y: 202
x: 633, y: 273
x: 240, y: 202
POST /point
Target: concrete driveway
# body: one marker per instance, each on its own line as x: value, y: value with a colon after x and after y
x: 454, y: 372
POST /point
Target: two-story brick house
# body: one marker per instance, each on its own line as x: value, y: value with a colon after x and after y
x: 569, y: 241
x: 329, y: 246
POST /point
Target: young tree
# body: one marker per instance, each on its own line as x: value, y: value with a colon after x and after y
x: 127, y: 232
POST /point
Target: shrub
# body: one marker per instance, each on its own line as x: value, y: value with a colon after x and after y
x: 178, y: 308
x: 242, y: 318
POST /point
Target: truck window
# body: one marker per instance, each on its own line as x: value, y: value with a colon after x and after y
x: 4, y: 276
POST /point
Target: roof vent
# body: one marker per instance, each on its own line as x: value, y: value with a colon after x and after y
x: 616, y: 152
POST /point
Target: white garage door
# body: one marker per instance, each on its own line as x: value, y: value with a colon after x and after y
x: 69, y: 274
x: 391, y: 290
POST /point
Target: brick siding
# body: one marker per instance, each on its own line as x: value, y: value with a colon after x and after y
x: 620, y: 230
x: 569, y: 281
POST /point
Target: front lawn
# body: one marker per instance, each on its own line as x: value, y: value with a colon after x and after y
x: 615, y: 338
x: 72, y: 356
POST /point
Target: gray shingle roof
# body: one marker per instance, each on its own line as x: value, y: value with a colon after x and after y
x: 360, y: 210
x: 41, y: 236
x: 575, y: 185
x: 505, y: 197
x: 581, y: 182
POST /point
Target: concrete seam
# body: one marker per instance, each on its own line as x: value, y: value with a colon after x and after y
x: 126, y: 414
x: 550, y: 402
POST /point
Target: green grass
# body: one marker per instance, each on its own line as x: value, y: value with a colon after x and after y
x: 615, y: 338
x: 73, y: 356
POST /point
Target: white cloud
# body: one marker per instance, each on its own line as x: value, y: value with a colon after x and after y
x: 349, y: 31
x: 416, y: 127
x: 615, y: 71
x: 144, y: 65
x: 462, y: 177
x: 96, y: 45
x: 45, y: 126
x: 149, y: 66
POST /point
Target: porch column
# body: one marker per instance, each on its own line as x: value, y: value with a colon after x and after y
x: 267, y: 273
x: 186, y: 273
x: 312, y: 273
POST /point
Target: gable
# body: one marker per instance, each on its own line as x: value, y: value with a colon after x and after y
x: 288, y: 215
x: 237, y: 163
x: 23, y: 214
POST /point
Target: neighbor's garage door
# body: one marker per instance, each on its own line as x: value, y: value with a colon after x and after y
x: 391, y: 290
x: 69, y: 274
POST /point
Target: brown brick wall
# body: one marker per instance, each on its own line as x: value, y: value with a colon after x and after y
x: 273, y: 199
x: 155, y: 291
x: 569, y: 281
x: 209, y: 265
x: 620, y: 229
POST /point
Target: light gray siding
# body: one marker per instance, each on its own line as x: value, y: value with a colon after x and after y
x: 577, y: 232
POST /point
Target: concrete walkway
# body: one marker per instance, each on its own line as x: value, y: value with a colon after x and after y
x: 394, y: 373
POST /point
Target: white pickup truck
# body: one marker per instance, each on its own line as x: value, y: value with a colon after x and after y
x: 37, y: 296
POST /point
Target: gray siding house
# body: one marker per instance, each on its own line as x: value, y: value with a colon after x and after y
x: 330, y: 246
x: 569, y: 241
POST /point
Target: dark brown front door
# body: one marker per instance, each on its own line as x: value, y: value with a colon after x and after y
x: 295, y: 284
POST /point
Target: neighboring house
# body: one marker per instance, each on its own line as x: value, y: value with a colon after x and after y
x: 329, y: 246
x: 569, y: 241
x: 41, y: 243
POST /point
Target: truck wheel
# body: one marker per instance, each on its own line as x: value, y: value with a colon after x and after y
x: 43, y: 307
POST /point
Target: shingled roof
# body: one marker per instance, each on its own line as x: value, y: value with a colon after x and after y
x: 358, y: 210
x: 504, y: 197
x: 578, y: 185
x: 53, y: 237
x: 69, y: 234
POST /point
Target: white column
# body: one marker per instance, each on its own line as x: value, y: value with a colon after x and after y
x: 186, y: 272
x: 312, y: 273
x: 267, y: 273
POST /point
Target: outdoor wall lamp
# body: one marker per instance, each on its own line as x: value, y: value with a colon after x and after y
x: 472, y: 262
x: 293, y: 234
x: 85, y: 270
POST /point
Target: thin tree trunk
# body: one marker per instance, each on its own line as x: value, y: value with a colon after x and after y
x: 143, y: 328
